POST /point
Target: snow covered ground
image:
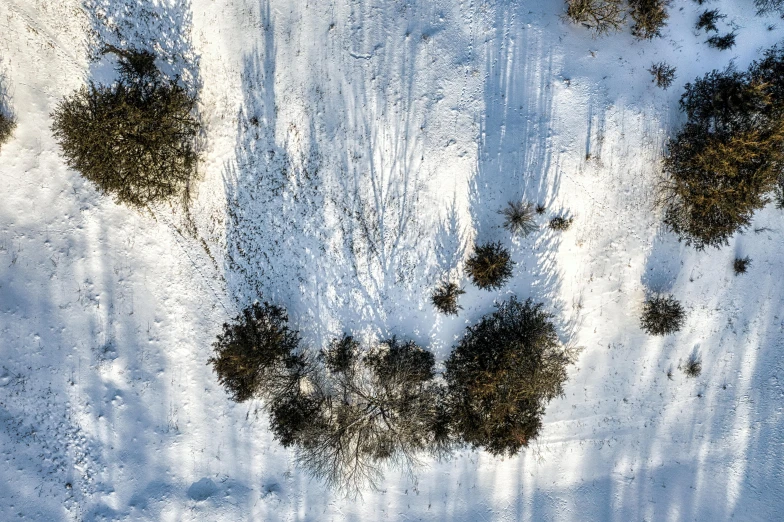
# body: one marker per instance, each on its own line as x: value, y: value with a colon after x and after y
x: 353, y: 151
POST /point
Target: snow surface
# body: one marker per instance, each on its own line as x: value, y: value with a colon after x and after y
x: 353, y: 151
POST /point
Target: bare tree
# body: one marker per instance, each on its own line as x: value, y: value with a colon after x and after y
x: 367, y: 412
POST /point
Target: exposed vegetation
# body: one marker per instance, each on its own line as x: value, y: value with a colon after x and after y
x: 770, y: 6
x: 365, y: 411
x: 722, y: 43
x: 741, y: 265
x: 490, y: 267
x: 649, y: 16
x: 708, y: 19
x: 519, y: 218
x: 7, y: 125
x: 352, y: 411
x: 662, y: 315
x: 729, y: 157
x: 502, y: 374
x: 445, y: 297
x: 257, y: 355
x: 601, y: 16
x: 135, y: 138
x: 561, y: 223
x: 663, y: 74
x: 693, y: 366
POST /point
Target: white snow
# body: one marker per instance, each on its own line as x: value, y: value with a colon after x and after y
x: 353, y: 151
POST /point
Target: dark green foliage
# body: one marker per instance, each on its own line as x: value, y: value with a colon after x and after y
x: 741, y: 265
x: 693, y: 366
x: 400, y: 361
x: 601, y: 16
x: 341, y: 355
x: 662, y: 315
x: 133, y: 139
x: 445, y: 297
x: 728, y: 157
x: 501, y: 376
x: 7, y: 125
x: 708, y: 19
x: 490, y: 267
x: 560, y: 223
x: 770, y: 72
x: 135, y: 65
x: 519, y: 218
x: 722, y: 43
x: 663, y: 74
x: 649, y: 16
x: 292, y: 415
x: 257, y: 354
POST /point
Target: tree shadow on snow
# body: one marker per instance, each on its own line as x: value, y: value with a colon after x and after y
x: 163, y: 28
x: 325, y: 211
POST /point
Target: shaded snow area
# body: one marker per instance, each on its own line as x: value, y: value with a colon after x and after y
x: 353, y: 150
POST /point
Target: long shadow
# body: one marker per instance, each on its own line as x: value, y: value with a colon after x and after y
x: 93, y: 395
x: 274, y: 237
x: 518, y: 166
x: 326, y: 209
x: 721, y: 423
x: 329, y: 209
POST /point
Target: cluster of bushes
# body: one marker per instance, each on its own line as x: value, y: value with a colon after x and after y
x: 728, y: 159
x: 351, y: 410
x: 491, y: 266
x: 133, y: 139
x: 649, y: 17
x: 608, y: 16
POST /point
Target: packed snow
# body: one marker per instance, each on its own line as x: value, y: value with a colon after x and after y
x: 352, y: 152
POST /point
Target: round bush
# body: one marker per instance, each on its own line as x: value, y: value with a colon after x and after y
x: 490, y: 267
x: 561, y: 224
x: 502, y: 374
x: 445, y: 297
x: 133, y: 139
x: 255, y: 356
x: 662, y: 315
